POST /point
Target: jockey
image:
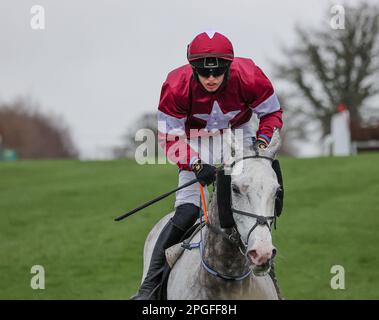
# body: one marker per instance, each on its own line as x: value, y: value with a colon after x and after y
x: 214, y: 91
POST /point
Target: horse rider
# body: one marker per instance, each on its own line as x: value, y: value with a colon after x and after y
x: 214, y: 91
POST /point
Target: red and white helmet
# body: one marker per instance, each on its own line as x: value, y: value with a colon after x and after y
x: 210, y: 44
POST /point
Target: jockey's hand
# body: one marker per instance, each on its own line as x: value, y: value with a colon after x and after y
x: 260, y: 144
x: 204, y: 172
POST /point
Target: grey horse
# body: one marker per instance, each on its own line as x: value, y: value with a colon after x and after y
x: 218, y: 268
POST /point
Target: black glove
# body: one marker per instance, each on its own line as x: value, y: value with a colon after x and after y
x: 204, y: 172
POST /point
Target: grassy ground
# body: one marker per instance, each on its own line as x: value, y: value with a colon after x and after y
x: 59, y: 214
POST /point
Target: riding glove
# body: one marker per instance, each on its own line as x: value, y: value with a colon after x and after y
x: 204, y: 172
x: 259, y: 144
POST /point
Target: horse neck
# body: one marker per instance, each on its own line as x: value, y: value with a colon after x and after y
x: 219, y: 253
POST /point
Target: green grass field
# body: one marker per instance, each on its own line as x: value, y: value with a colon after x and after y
x: 59, y: 214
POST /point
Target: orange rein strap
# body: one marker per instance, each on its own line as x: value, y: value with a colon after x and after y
x: 203, y: 203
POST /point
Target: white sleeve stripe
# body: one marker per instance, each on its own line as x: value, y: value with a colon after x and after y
x: 171, y: 125
x: 270, y: 105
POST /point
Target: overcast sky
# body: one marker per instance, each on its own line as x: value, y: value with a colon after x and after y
x: 100, y: 63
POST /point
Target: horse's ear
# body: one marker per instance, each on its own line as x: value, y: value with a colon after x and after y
x: 274, y: 145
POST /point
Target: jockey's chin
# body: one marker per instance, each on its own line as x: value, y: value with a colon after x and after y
x: 211, y: 84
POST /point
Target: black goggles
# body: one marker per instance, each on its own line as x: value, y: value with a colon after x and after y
x: 207, y: 72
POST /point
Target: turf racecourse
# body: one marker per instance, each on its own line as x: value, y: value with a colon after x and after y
x: 59, y: 214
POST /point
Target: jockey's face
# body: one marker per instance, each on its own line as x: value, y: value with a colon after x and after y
x: 211, y: 84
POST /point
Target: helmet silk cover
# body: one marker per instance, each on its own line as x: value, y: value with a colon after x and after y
x: 210, y: 44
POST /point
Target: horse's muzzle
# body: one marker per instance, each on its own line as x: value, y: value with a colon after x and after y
x: 261, y: 263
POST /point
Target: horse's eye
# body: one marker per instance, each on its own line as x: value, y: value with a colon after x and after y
x: 236, y: 189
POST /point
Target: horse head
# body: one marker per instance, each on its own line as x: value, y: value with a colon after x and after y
x: 253, y: 187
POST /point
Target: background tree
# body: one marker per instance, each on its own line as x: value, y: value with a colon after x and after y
x: 147, y: 121
x: 293, y: 129
x: 32, y: 134
x: 328, y: 67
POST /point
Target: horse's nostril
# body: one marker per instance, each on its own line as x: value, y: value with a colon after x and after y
x: 273, y: 253
x: 253, y: 254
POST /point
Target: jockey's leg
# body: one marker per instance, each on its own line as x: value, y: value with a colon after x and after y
x: 184, y: 218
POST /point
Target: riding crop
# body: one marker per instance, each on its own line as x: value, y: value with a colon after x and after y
x: 129, y: 213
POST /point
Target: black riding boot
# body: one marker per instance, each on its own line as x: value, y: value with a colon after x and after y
x: 184, y: 218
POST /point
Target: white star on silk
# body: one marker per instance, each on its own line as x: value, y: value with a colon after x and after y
x: 217, y: 119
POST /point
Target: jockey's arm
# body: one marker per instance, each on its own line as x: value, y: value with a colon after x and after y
x: 171, y: 130
x: 266, y: 105
x: 267, y: 124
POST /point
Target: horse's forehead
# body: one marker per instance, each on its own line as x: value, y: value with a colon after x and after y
x: 249, y: 171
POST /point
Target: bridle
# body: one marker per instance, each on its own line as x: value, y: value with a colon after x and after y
x: 232, y: 234
x: 260, y: 219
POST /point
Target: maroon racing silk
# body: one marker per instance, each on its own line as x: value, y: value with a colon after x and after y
x: 185, y: 104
